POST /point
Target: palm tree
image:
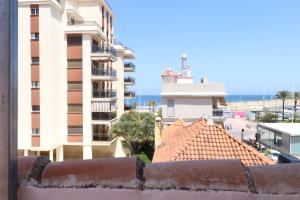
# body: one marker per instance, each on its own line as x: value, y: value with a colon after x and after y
x: 283, y: 95
x: 153, y: 106
x: 296, y: 98
x: 150, y: 103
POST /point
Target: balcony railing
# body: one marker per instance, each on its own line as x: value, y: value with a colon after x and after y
x: 129, y: 80
x: 129, y: 94
x: 98, y: 137
x: 84, y: 23
x: 104, y: 94
x: 129, y: 67
x: 104, y: 116
x: 105, y: 49
x: 218, y: 113
x: 129, y: 106
x: 103, y: 72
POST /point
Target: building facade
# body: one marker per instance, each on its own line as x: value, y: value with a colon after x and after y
x: 184, y: 99
x: 71, y: 79
x: 282, y: 137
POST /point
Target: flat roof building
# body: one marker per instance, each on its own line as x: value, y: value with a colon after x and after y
x: 284, y: 137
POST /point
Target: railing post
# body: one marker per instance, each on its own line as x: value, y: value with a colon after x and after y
x: 8, y: 99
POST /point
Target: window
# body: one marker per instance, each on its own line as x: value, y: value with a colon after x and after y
x: 74, y: 63
x: 78, y: 130
x: 35, y: 131
x: 74, y: 85
x: 35, y: 84
x: 74, y: 108
x: 35, y: 108
x: 35, y: 60
x: 74, y: 40
x: 34, y: 11
x: 34, y: 36
x: 171, y: 108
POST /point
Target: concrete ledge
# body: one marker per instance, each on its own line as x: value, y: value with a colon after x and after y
x: 39, y: 174
x: 277, y: 179
x: 107, y: 172
x: 223, y: 175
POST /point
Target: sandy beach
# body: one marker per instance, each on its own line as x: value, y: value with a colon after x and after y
x: 275, y: 105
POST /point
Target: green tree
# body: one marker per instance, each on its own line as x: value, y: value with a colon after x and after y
x: 268, y: 117
x: 296, y: 98
x: 283, y: 95
x: 136, y: 128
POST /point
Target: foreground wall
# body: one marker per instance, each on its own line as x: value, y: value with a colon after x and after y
x: 129, y: 178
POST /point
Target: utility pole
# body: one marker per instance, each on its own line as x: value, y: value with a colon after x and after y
x: 8, y: 99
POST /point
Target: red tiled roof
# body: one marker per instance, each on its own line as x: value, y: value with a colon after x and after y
x: 203, y: 141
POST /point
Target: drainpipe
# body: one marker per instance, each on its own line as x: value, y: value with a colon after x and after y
x: 8, y: 99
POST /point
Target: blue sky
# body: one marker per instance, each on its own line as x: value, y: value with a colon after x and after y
x: 253, y: 47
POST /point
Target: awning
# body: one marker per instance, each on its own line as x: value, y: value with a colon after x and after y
x: 101, y: 106
x: 222, y: 101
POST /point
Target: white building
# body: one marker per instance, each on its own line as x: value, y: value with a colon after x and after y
x: 184, y: 99
x: 71, y: 79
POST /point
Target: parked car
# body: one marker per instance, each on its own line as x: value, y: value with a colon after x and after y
x: 273, y: 155
x: 286, y: 158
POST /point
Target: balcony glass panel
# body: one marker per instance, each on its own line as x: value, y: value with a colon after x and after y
x: 104, y: 94
x: 104, y: 116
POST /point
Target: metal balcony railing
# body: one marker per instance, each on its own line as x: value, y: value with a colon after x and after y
x: 104, y: 93
x: 99, y: 136
x: 104, y: 116
x: 129, y: 94
x: 129, y: 80
x: 129, y: 67
x: 106, y: 49
x: 103, y: 72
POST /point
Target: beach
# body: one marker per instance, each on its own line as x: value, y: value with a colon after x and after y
x: 274, y: 105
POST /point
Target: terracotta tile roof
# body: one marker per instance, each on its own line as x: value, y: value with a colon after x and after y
x: 203, y: 141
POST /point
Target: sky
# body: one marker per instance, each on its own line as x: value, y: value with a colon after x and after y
x: 253, y: 47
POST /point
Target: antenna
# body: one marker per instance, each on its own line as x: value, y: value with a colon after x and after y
x: 183, y: 63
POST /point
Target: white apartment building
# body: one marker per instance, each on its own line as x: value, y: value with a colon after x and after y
x: 184, y: 99
x: 71, y: 79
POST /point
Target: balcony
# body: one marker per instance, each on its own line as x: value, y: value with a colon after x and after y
x: 80, y: 27
x: 101, y: 137
x: 99, y: 105
x: 129, y: 53
x: 129, y: 94
x: 128, y: 107
x: 104, y: 116
x: 129, y: 81
x: 104, y: 53
x: 102, y: 74
x: 129, y: 67
x: 104, y: 94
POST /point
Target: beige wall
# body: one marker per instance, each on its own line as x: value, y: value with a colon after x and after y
x: 189, y: 107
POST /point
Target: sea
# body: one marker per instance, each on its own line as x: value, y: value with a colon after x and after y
x: 142, y: 100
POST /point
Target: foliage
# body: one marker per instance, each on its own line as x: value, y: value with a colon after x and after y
x: 143, y: 156
x: 268, y: 117
x: 152, y: 105
x: 283, y: 95
x: 136, y: 128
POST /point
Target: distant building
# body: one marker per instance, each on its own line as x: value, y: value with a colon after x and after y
x: 184, y: 99
x: 204, y: 140
x: 71, y: 79
x: 282, y: 137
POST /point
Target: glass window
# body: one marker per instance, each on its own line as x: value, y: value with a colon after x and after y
x: 35, y: 108
x: 34, y: 36
x: 171, y: 108
x: 74, y: 85
x: 75, y: 108
x: 35, y: 60
x: 35, y: 84
x: 75, y: 130
x: 74, y: 63
x: 34, y: 11
x: 74, y: 40
x: 35, y: 131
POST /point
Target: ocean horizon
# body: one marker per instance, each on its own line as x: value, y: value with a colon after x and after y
x: 144, y: 99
